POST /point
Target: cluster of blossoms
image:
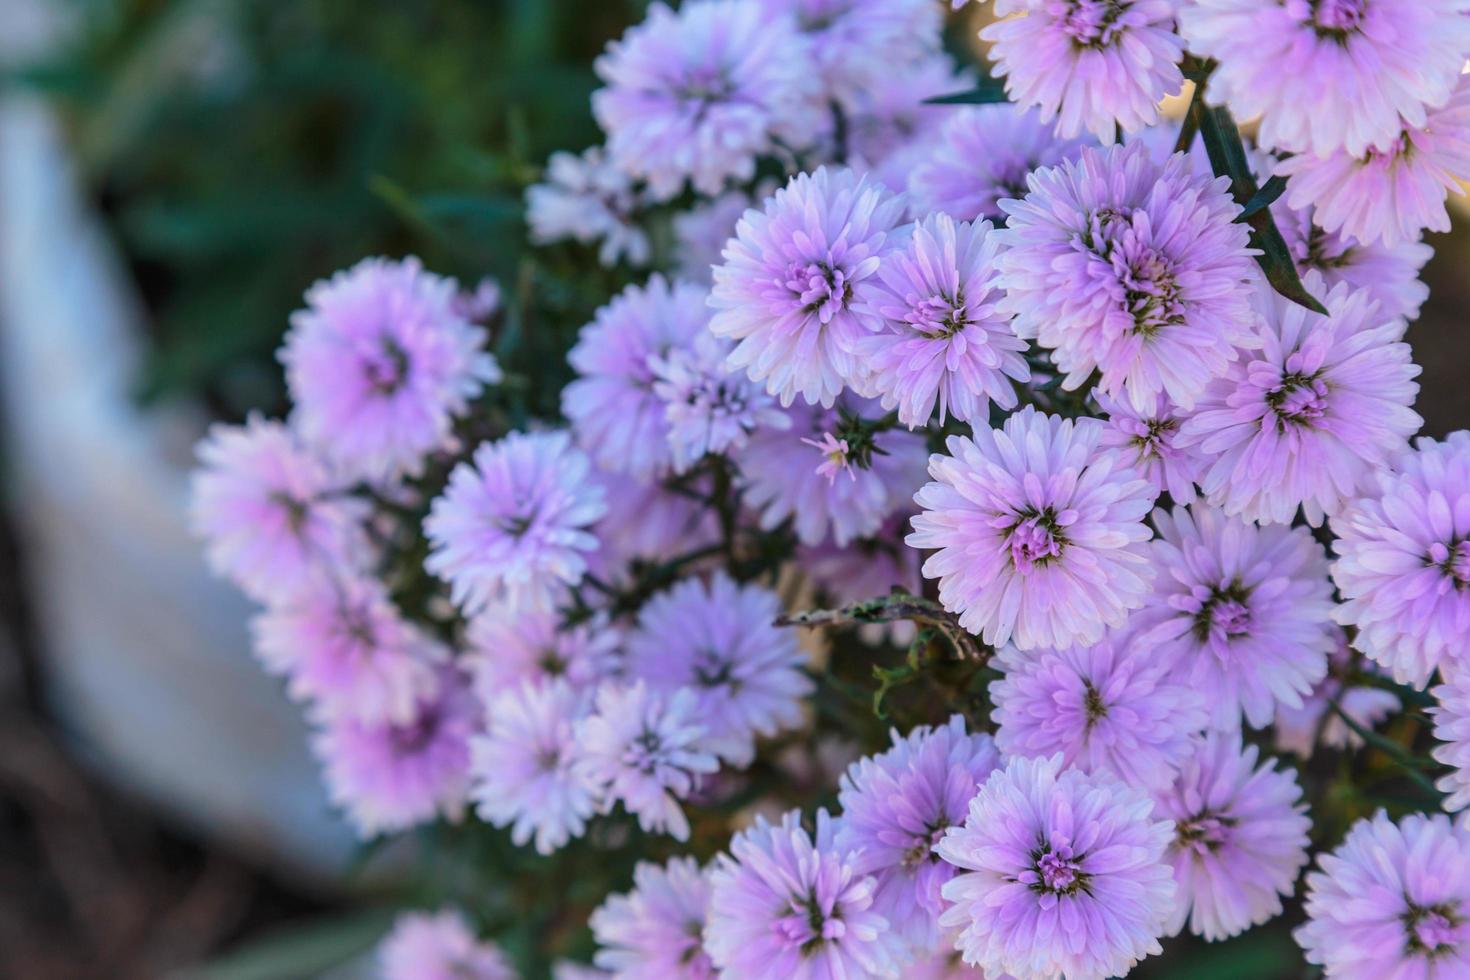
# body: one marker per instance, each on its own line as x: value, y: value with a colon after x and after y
x: 1012, y: 385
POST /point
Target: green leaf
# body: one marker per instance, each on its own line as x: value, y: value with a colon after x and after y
x: 1228, y: 159
x: 989, y: 90
x: 1264, y: 197
x: 300, y: 951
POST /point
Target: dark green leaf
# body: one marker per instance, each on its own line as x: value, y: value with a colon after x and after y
x: 1228, y: 159
x: 1264, y: 197
x: 989, y: 90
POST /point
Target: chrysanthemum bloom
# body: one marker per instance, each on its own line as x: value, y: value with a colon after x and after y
x: 273, y: 517
x: 1242, y: 612
x: 440, y: 946
x: 647, y: 752
x: 1090, y: 64
x: 1062, y: 873
x: 786, y: 905
x: 699, y: 94
x: 719, y: 641
x: 379, y: 364
x: 896, y: 806
x: 1301, y: 730
x: 1149, y: 441
x: 1392, y: 901
x: 510, y: 528
x: 981, y: 157
x: 1389, y: 274
x: 708, y: 409
x: 1390, y: 194
x: 346, y: 648
x: 388, y: 777
x: 1132, y: 268
x: 1110, y: 707
x: 786, y: 288
x: 585, y: 198
x: 856, y: 44
x: 1037, y: 532
x: 784, y: 477
x: 1387, y: 60
x: 527, y: 767
x: 1452, y: 726
x: 1306, y: 420
x: 655, y: 931
x: 507, y: 648
x: 1240, y: 838
x: 612, y: 406
x: 943, y: 337
x: 1403, y: 561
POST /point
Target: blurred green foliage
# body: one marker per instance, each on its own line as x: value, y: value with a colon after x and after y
x: 244, y: 149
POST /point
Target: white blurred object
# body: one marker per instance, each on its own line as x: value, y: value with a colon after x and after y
x: 147, y: 660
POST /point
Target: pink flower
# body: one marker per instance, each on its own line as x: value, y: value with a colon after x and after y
x: 440, y: 946
x: 380, y: 363
x: 507, y: 648
x: 1149, y: 442
x: 944, y: 337
x: 1090, y: 64
x: 1300, y: 730
x: 1392, y: 901
x: 273, y: 517
x: 785, y: 905
x: 1061, y: 873
x: 1452, y: 727
x: 1037, y: 532
x: 585, y: 198
x: 1131, y: 268
x: 1306, y: 420
x: 1242, y: 612
x: 786, y: 289
x: 654, y: 931
x: 1240, y: 838
x: 510, y: 528
x: 1403, y: 561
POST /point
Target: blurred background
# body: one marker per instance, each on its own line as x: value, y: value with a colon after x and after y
x: 173, y: 174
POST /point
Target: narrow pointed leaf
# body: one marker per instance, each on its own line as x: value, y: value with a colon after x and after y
x: 988, y: 91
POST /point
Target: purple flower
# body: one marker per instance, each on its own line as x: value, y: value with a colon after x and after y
x: 654, y: 931
x: 719, y: 641
x: 1110, y: 707
x: 1061, y: 873
x: 612, y: 406
x: 896, y: 806
x: 507, y: 648
x: 1384, y: 62
x: 1452, y: 726
x: 943, y: 337
x: 702, y: 231
x: 699, y: 94
x: 857, y: 45
x: 1240, y: 611
x: 786, y: 905
x: 982, y: 157
x: 587, y: 199
x: 648, y: 522
x: 646, y: 752
x: 1132, y: 268
x: 1240, y: 838
x: 1307, y: 419
x: 345, y: 647
x: 440, y: 946
x: 510, y: 528
x: 1389, y: 274
x: 390, y: 776
x: 1298, y: 729
x: 706, y: 408
x: 1392, y: 901
x: 379, y: 364
x: 786, y: 288
x: 527, y: 768
x: 274, y: 519
x: 1393, y: 192
x: 1403, y: 561
x: 1037, y: 532
x: 1149, y: 442
x: 1089, y: 64
x: 783, y: 478
x: 891, y: 128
